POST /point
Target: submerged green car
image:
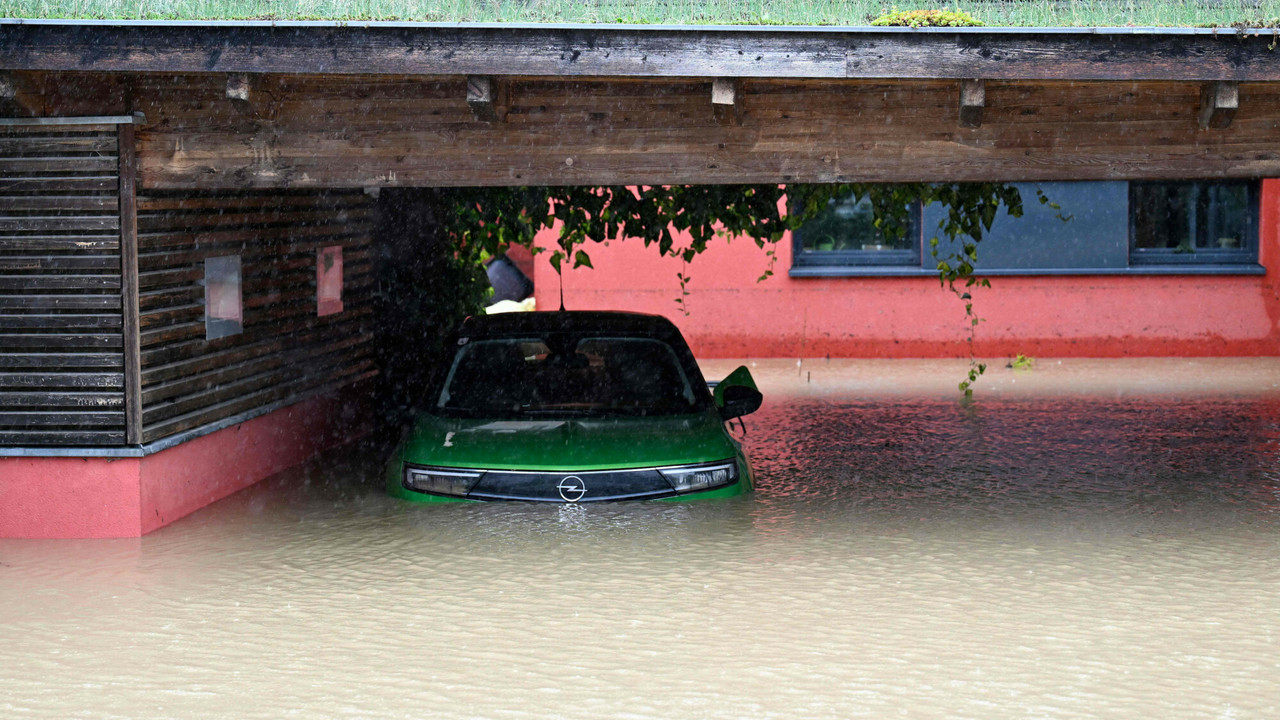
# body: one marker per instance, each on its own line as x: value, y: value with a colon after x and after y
x: 573, y: 407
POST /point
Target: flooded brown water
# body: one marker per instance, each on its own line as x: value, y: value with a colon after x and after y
x: 1038, y: 554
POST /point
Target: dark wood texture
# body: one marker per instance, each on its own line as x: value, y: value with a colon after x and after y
x: 1218, y: 104
x: 285, y: 350
x: 370, y: 131
x: 629, y: 51
x: 724, y: 101
x: 238, y: 87
x: 973, y: 98
x: 61, y: 332
x: 480, y: 97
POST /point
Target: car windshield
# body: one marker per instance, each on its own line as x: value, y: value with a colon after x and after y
x: 566, y: 376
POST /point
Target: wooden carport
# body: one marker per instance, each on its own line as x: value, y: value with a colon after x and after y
x: 257, y: 138
x: 310, y: 104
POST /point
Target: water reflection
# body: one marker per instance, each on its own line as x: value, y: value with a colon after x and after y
x: 1034, y: 558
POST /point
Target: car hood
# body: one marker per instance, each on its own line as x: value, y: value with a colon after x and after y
x: 575, y: 444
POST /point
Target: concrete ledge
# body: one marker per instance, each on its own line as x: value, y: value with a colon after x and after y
x: 1247, y: 377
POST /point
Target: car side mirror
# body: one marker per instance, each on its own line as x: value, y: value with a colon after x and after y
x: 740, y: 400
x: 737, y: 395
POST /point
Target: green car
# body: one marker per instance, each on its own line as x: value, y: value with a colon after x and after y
x: 573, y: 407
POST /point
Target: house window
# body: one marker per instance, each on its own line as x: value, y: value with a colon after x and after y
x: 1192, y: 222
x: 329, y: 280
x: 844, y: 234
x: 1092, y: 228
x: 1177, y: 223
x: 223, y: 305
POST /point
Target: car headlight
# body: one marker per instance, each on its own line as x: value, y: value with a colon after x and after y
x: 440, y: 482
x: 693, y: 478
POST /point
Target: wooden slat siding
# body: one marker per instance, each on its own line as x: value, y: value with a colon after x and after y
x: 14, y: 224
x: 63, y: 184
x: 284, y: 351
x: 32, y: 342
x: 84, y: 437
x: 53, y: 146
x: 98, y: 165
x: 60, y: 361
x: 60, y: 322
x: 58, y: 263
x: 50, y: 381
x: 19, y: 419
x: 60, y: 302
x: 92, y: 283
x: 105, y: 243
x: 45, y: 398
x: 104, y: 204
x: 61, y: 331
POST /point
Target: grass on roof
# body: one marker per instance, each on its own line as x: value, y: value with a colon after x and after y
x: 1041, y: 13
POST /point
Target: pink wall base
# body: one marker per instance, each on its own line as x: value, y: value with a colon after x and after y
x: 731, y: 314
x: 129, y: 497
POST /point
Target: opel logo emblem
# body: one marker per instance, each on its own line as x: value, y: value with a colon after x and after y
x: 572, y: 488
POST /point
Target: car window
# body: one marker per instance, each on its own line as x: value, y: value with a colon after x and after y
x: 567, y: 375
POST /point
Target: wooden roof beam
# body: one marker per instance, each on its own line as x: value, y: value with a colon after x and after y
x: 973, y: 98
x: 726, y: 106
x: 451, y: 49
x: 9, y: 101
x: 1218, y: 104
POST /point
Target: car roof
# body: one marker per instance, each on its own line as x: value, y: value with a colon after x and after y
x: 569, y: 321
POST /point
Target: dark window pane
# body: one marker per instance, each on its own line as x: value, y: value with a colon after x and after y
x: 567, y: 375
x: 848, y: 224
x: 1162, y: 216
x: 1222, y: 214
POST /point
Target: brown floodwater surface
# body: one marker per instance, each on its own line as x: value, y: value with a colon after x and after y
x: 1033, y: 555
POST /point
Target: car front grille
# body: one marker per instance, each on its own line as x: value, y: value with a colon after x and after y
x: 571, y: 486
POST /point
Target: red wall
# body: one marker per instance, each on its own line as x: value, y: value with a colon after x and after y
x: 731, y: 315
x: 47, y: 497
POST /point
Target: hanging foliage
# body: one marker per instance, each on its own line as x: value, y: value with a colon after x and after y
x: 483, y: 221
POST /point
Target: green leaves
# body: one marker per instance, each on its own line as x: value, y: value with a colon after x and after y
x: 483, y: 221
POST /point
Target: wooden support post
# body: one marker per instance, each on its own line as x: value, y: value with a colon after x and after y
x: 1218, y: 104
x: 129, y: 284
x: 973, y: 98
x: 482, y: 96
x: 724, y: 101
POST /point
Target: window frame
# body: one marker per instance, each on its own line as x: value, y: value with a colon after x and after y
x: 842, y: 259
x: 330, y: 281
x: 1112, y: 250
x: 223, y: 281
x: 1209, y: 257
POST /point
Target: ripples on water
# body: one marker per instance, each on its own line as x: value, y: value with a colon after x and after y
x: 1057, y: 559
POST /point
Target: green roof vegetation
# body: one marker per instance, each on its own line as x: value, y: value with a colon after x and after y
x: 927, y: 18
x: 1037, y: 13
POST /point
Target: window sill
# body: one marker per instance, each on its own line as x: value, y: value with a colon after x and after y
x: 820, y: 271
